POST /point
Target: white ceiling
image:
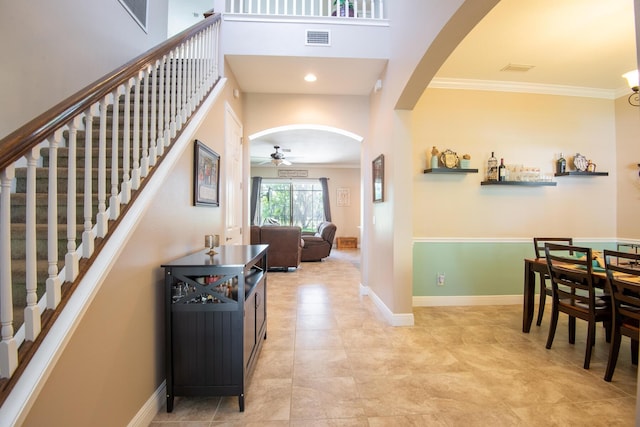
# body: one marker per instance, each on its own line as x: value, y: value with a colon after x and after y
x: 577, y: 43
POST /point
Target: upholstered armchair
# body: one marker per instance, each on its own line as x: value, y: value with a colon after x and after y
x: 318, y: 246
x: 285, y: 244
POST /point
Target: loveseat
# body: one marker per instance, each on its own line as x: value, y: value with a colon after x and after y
x: 318, y: 245
x: 285, y: 244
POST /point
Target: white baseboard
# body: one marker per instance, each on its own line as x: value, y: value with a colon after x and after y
x: 433, y: 301
x: 148, y: 412
x: 394, y: 319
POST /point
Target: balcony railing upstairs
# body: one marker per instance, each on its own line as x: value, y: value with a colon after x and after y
x: 348, y: 9
x: 70, y: 174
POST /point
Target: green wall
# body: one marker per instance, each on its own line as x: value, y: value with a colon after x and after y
x: 475, y: 268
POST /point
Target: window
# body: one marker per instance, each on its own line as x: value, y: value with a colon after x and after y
x: 297, y: 203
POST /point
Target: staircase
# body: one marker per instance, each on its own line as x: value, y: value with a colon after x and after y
x: 19, y: 209
x: 68, y: 177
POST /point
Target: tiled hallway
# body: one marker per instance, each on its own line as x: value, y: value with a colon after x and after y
x: 331, y: 360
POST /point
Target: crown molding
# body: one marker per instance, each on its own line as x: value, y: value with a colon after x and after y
x: 519, y: 87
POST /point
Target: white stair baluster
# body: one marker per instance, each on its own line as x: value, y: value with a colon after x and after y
x: 135, y: 143
x: 173, y: 89
x: 144, y: 152
x: 153, y: 152
x: 54, y: 283
x: 160, y: 134
x: 88, y: 236
x: 71, y: 258
x: 102, y: 218
x: 125, y: 188
x: 32, y: 321
x: 180, y: 85
x: 8, y: 345
x: 189, y: 106
x: 114, y: 200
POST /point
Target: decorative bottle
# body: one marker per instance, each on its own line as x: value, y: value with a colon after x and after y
x: 492, y: 168
x: 561, y: 165
x: 434, y: 157
x: 502, y: 171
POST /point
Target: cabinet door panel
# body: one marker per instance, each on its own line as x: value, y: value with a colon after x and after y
x: 249, y: 327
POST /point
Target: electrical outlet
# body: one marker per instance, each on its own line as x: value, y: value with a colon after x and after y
x: 440, y: 279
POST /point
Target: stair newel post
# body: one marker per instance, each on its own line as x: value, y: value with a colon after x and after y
x: 173, y: 84
x: 152, y: 126
x: 114, y: 200
x: 160, y: 143
x: 135, y: 143
x: 54, y: 282
x: 71, y: 259
x: 88, y: 236
x: 125, y: 196
x: 144, y: 152
x: 102, y: 216
x: 8, y: 344
x: 32, y: 322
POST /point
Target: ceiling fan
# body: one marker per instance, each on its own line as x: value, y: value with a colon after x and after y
x: 277, y: 157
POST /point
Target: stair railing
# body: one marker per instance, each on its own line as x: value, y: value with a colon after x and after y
x: 131, y: 116
x: 356, y: 9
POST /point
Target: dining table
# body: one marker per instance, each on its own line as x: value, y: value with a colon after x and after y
x: 539, y: 265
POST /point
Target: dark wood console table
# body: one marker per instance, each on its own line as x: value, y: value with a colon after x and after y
x: 216, y: 321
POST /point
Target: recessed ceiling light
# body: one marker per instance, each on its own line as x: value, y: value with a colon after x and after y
x: 310, y: 78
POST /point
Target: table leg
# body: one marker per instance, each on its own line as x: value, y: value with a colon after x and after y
x: 529, y: 296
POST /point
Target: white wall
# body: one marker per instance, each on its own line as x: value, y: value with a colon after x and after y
x: 526, y: 129
x: 52, y: 49
x: 185, y: 13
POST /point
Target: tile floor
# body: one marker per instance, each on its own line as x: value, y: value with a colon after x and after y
x: 331, y: 360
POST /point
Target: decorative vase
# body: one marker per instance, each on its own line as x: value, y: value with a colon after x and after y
x: 434, y: 162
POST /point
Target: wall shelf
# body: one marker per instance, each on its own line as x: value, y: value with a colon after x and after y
x: 521, y: 183
x: 450, y: 170
x: 580, y: 173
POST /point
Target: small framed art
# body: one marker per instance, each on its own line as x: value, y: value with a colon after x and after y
x: 206, y: 190
x: 378, y: 178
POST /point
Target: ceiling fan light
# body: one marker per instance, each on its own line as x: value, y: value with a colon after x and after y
x: 632, y: 79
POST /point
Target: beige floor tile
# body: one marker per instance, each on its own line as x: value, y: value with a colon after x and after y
x: 321, y: 398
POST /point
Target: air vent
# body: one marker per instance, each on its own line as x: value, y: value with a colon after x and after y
x: 519, y: 68
x: 318, y: 38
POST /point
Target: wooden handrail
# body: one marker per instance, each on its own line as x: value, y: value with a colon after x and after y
x: 18, y: 143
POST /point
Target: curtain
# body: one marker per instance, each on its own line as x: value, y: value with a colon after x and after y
x: 256, y: 181
x: 324, y: 182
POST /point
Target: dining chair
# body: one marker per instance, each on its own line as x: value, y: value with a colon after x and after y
x: 623, y: 279
x: 573, y: 293
x: 545, y: 289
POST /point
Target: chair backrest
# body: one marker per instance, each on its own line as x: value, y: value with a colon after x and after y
x: 539, y: 242
x: 327, y: 230
x: 571, y: 273
x: 623, y: 278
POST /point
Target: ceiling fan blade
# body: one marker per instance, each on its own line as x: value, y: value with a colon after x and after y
x: 286, y: 162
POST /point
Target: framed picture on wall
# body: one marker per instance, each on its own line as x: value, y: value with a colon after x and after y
x: 378, y: 179
x: 344, y: 196
x: 206, y: 179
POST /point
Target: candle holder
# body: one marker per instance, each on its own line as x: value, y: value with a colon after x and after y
x: 211, y: 241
